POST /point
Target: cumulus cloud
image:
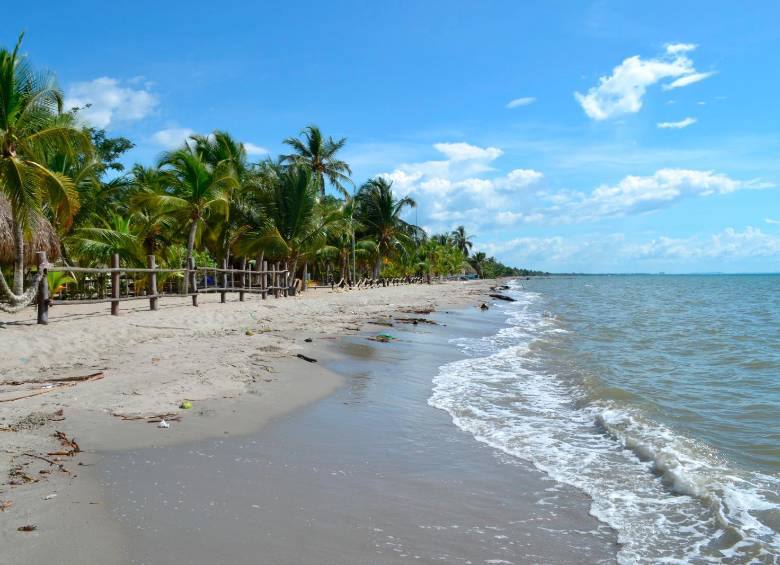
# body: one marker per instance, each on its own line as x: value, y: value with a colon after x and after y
x: 622, y: 92
x: 463, y: 185
x: 729, y: 249
x: 467, y: 152
x: 684, y: 123
x: 517, y: 102
x: 171, y: 138
x: 105, y: 102
x: 730, y: 243
x: 772, y: 222
x: 637, y: 194
x: 254, y: 150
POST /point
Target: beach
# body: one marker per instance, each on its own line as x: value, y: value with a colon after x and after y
x: 236, y: 363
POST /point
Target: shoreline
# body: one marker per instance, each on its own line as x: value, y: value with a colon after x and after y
x: 236, y: 363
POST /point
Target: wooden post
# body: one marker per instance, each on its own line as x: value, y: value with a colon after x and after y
x: 194, y: 274
x: 263, y: 278
x: 115, y: 284
x: 303, y: 275
x: 222, y: 293
x: 275, y: 280
x: 43, y: 289
x: 151, y: 263
x: 242, y: 278
x: 286, y: 279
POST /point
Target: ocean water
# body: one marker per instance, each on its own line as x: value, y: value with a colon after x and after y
x: 657, y: 396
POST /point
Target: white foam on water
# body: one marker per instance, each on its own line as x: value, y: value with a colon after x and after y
x: 670, y: 499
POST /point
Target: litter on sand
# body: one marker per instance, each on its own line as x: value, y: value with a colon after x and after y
x: 163, y: 424
x: 382, y: 338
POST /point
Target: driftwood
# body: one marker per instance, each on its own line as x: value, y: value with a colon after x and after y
x: 78, y: 379
x: 65, y: 441
x: 502, y: 297
x: 416, y: 321
x: 172, y: 416
x: 44, y: 391
x: 424, y: 310
x: 305, y: 358
x: 60, y: 384
x: 49, y: 461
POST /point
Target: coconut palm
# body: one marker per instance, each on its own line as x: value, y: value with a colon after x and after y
x: 478, y: 262
x: 31, y: 126
x: 296, y: 226
x: 461, y: 240
x: 379, y: 211
x: 194, y: 192
x: 319, y: 155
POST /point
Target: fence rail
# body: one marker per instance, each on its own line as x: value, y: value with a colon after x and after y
x: 142, y: 283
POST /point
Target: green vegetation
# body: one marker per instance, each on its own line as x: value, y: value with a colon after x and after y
x: 64, y: 190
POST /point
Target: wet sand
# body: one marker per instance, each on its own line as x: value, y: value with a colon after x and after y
x: 368, y: 474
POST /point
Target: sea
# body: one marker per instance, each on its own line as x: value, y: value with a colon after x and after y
x: 657, y: 396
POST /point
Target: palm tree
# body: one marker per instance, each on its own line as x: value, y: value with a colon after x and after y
x: 461, y: 240
x: 478, y: 261
x: 380, y: 213
x: 32, y: 125
x: 296, y: 226
x: 319, y: 155
x: 194, y: 193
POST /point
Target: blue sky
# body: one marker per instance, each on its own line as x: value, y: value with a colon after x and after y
x: 567, y: 136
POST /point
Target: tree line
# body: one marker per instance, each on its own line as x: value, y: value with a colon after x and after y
x: 204, y: 200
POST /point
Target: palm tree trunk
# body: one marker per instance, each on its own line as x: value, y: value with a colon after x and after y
x: 18, y: 286
x: 377, y: 266
x: 190, y: 246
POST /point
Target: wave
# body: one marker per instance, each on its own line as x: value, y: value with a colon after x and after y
x: 669, y: 498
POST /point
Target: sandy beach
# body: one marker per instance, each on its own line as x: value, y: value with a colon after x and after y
x: 236, y: 363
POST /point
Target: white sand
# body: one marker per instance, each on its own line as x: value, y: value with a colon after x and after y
x: 236, y: 362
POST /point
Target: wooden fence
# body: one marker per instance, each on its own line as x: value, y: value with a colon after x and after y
x: 129, y: 283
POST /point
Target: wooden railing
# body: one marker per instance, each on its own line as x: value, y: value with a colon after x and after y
x: 142, y: 283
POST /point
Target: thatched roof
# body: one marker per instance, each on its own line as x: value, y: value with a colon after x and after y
x: 43, y: 237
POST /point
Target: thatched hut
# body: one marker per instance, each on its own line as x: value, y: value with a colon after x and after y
x: 42, y: 237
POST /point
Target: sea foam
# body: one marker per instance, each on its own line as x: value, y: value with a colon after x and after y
x: 669, y: 498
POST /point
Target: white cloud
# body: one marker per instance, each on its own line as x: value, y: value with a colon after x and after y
x: 105, y: 101
x: 622, y: 92
x: 467, y: 152
x: 444, y: 189
x: 637, y: 194
x: 674, y: 48
x: 171, y: 138
x: 524, y: 101
x: 687, y: 80
x: 730, y: 249
x: 728, y: 244
x: 684, y: 123
x: 254, y: 150
x: 772, y: 222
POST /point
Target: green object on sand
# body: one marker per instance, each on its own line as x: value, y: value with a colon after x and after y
x: 384, y: 338
x: 186, y: 405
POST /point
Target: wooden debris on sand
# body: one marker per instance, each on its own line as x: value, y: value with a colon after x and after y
x: 65, y: 441
x: 419, y: 310
x: 27, y: 528
x: 50, y: 385
x: 416, y: 321
x: 502, y: 297
x: 305, y: 358
x: 150, y: 419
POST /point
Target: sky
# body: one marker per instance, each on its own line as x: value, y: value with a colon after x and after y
x: 565, y: 136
